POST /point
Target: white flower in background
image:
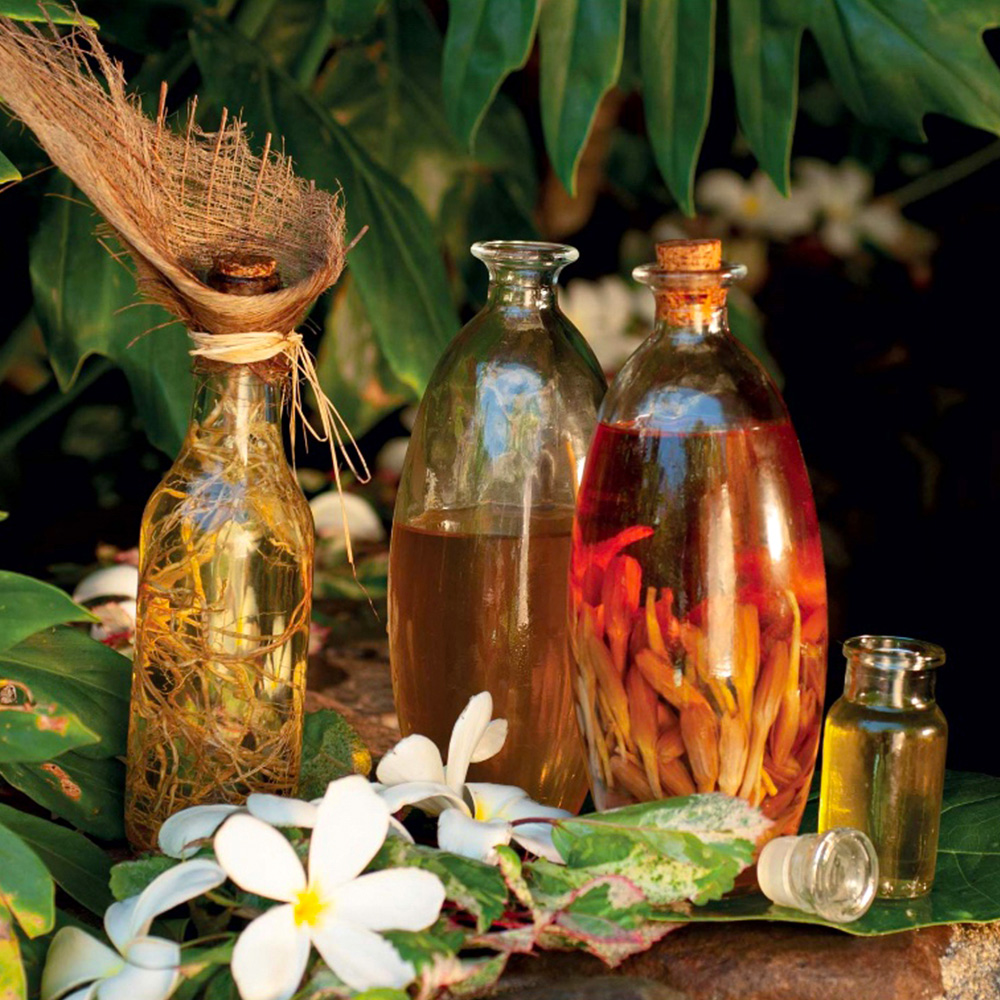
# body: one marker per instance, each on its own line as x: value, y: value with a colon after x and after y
x: 363, y: 522
x: 391, y: 456
x: 842, y: 194
x: 476, y: 817
x: 755, y: 205
x: 608, y: 313
x: 334, y: 906
x: 110, y: 593
x: 143, y: 967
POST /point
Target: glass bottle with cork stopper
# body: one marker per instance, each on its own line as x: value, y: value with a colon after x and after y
x: 698, y: 597
x: 481, y: 531
x: 222, y: 630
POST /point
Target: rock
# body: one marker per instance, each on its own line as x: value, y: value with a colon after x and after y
x: 591, y: 988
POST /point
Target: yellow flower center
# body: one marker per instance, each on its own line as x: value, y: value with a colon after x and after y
x: 751, y: 206
x: 480, y: 813
x: 308, y: 907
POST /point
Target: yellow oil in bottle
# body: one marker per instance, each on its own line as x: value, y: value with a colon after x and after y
x: 883, y: 772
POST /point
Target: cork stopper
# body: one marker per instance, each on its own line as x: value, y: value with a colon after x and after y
x: 244, y: 274
x: 682, y: 306
x: 689, y: 255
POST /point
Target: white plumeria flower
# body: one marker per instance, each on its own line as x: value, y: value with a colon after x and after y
x: 329, y: 511
x: 333, y: 907
x: 392, y: 455
x: 416, y: 760
x: 755, y: 205
x: 475, y: 817
x: 606, y: 312
x: 143, y: 967
x: 110, y: 594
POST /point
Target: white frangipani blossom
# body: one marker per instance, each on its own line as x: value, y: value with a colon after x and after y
x: 610, y: 314
x: 332, y: 906
x: 755, y: 205
x: 475, y: 818
x: 79, y: 967
x: 329, y: 511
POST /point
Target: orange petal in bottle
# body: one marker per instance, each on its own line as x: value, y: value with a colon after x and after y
x: 696, y: 535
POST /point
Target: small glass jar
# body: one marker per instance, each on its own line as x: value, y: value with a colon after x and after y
x: 832, y: 874
x: 883, y: 758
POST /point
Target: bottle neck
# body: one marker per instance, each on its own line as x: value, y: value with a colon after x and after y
x: 880, y: 687
x: 522, y: 288
x: 691, y: 321
x: 237, y: 409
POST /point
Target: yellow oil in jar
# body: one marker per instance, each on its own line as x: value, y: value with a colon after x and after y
x: 883, y: 773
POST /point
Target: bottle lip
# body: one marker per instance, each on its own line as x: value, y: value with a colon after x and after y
x: 657, y: 277
x: 894, y: 652
x: 524, y: 253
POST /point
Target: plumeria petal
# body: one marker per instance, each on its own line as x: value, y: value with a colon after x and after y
x: 270, y: 956
x: 75, y: 958
x: 460, y: 834
x: 491, y: 801
x: 469, y: 729
x: 133, y: 983
x: 153, y: 953
x: 429, y: 796
x: 87, y: 993
x: 415, y: 758
x: 352, y: 825
x: 279, y: 811
x: 492, y: 742
x: 259, y: 859
x: 179, y: 834
x: 404, y: 899
x: 132, y: 918
x: 112, y: 581
x: 399, y: 830
x: 361, y: 958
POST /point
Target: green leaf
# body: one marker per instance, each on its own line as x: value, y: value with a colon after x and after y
x: 764, y: 56
x: 84, y: 299
x: 29, y: 10
x: 399, y: 273
x: 352, y: 18
x: 28, y: 605
x: 581, y: 42
x: 486, y: 40
x: 691, y: 847
x: 88, y: 793
x: 35, y: 732
x: 13, y: 985
x: 676, y: 54
x: 330, y: 749
x: 65, y: 667
x: 79, y: 867
x: 8, y: 172
x: 26, y: 887
x: 422, y: 948
x: 474, y: 886
x: 129, y: 878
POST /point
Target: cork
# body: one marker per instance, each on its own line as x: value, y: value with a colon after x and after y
x: 689, y: 255
x: 689, y: 306
x: 244, y: 274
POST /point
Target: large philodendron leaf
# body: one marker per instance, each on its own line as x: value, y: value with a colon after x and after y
x: 26, y: 888
x: 397, y: 267
x: 32, y: 10
x: 83, y: 677
x: 581, y: 42
x: 486, y: 40
x: 966, y: 883
x: 87, y: 304
x: 676, y: 54
x: 28, y: 605
x: 79, y: 867
x: 893, y: 61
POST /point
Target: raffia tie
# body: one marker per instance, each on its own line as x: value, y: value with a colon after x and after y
x: 253, y: 346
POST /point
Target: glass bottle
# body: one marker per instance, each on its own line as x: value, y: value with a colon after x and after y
x: 833, y: 874
x: 883, y: 757
x: 481, y: 533
x: 222, y: 630
x: 698, y: 597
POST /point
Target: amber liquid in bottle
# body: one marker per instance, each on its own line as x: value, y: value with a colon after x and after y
x: 480, y: 604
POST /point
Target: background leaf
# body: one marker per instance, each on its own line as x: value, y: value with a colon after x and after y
x: 581, y: 42
x: 79, y: 867
x: 26, y: 888
x: 676, y: 55
x: 129, y: 878
x: 28, y: 605
x: 399, y: 274
x: 330, y: 749
x: 12, y: 981
x: 29, y: 10
x: 8, y: 172
x: 83, y: 299
x: 485, y: 41
x: 40, y: 732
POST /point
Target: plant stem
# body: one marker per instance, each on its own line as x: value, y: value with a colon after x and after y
x: 313, y: 52
x: 51, y: 405
x: 938, y: 180
x: 252, y: 15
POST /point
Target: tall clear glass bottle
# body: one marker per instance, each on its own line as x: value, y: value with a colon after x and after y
x: 481, y: 534
x: 222, y: 630
x: 698, y: 598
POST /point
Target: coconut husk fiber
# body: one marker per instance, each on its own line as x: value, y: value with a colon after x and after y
x: 176, y: 199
